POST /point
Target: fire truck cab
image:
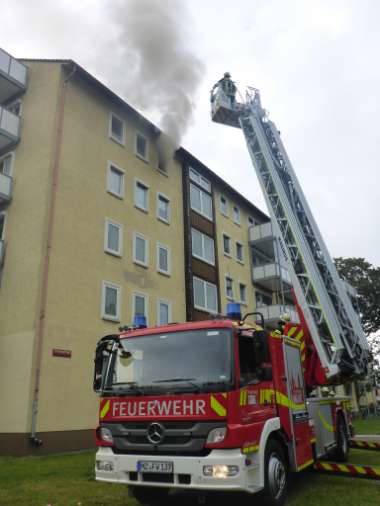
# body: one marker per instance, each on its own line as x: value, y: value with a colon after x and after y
x: 213, y: 405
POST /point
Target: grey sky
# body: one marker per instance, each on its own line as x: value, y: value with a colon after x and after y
x: 315, y: 62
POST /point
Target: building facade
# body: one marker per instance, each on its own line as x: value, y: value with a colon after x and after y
x: 94, y: 231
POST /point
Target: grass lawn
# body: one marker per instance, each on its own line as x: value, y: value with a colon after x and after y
x: 68, y: 480
x: 369, y: 426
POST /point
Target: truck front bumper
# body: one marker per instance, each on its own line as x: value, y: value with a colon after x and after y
x: 189, y: 472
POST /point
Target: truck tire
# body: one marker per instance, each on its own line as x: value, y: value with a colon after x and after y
x: 343, y: 447
x: 275, y: 475
x: 150, y: 495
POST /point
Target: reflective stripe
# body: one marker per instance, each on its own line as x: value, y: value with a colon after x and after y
x: 243, y: 397
x: 268, y: 395
x: 250, y: 449
x: 306, y: 464
x: 217, y: 407
x: 292, y: 331
x: 105, y: 409
x: 299, y: 336
x: 325, y: 423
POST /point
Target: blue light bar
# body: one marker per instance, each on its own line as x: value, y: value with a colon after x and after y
x: 139, y: 321
x: 233, y: 311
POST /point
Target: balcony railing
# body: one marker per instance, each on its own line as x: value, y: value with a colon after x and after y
x: 2, y: 252
x: 273, y: 313
x: 13, y: 76
x: 261, y: 232
x: 6, y: 183
x: 272, y: 276
x: 9, y: 129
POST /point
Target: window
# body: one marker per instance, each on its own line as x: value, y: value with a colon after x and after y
x: 251, y: 221
x: 163, y: 312
x: 15, y: 107
x: 141, y: 147
x: 226, y: 245
x: 140, y: 305
x: 163, y: 259
x: 163, y: 208
x: 117, y: 129
x: 202, y: 246
x: 197, y: 178
x: 223, y: 205
x: 113, y: 239
x: 200, y: 201
x: 2, y: 226
x: 229, y: 288
x: 236, y: 215
x: 115, y: 180
x: 140, y: 249
x: 111, y: 301
x: 243, y: 293
x: 6, y: 163
x: 239, y: 252
x: 141, y: 196
x: 205, y: 295
x: 262, y: 299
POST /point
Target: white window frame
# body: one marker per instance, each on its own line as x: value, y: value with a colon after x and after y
x: 205, y: 283
x: 241, y: 300
x: 136, y: 260
x: 140, y: 182
x: 195, y: 176
x: 164, y: 197
x: 139, y: 155
x: 146, y: 304
x: 108, y: 222
x: 241, y: 261
x: 122, y: 172
x: 10, y: 155
x: 167, y: 248
x: 121, y: 142
x: 2, y: 236
x: 169, y: 304
x: 237, y: 218
x: 229, y: 297
x: 104, y: 315
x: 203, y: 258
x: 224, y: 213
x: 201, y: 210
x: 230, y: 242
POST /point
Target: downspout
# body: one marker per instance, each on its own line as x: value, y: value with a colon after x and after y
x: 45, y: 273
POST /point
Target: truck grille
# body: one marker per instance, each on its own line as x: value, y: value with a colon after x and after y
x: 179, y: 438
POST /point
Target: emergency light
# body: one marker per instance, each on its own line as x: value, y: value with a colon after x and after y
x: 234, y: 311
x: 139, y: 321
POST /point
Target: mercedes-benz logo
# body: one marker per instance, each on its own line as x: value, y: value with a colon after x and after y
x: 155, y: 433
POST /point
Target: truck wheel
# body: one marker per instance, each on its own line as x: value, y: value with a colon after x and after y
x: 275, y: 475
x: 342, y: 449
x: 149, y: 495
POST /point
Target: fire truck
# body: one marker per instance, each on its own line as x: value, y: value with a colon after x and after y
x: 224, y: 404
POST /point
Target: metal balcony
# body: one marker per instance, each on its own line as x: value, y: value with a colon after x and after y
x: 2, y: 252
x: 262, y: 232
x: 13, y: 77
x: 9, y: 129
x: 272, y: 276
x: 273, y: 313
x: 6, y: 184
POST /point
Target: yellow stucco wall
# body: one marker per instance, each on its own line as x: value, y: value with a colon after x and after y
x: 24, y: 235
x: 79, y: 264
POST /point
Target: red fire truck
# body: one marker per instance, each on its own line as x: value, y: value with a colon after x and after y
x: 223, y: 404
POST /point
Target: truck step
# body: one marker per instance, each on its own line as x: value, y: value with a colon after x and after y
x: 354, y: 470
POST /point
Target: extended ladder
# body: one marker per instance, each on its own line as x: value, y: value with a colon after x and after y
x: 334, y: 325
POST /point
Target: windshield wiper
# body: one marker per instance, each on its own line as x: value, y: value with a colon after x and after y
x: 177, y: 380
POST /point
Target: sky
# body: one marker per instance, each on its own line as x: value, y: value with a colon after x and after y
x: 316, y: 63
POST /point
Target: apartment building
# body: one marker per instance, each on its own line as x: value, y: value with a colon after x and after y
x: 94, y: 231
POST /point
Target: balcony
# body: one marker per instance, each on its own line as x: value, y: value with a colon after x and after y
x: 13, y: 76
x: 272, y: 276
x: 260, y: 233
x: 2, y: 252
x: 273, y: 313
x: 9, y: 129
x: 6, y: 184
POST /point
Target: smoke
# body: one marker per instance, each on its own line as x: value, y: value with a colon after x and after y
x: 161, y: 74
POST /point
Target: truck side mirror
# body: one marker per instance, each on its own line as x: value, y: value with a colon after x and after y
x: 102, y: 354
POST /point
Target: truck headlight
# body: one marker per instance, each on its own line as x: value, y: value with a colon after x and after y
x: 106, y: 435
x: 220, y: 471
x: 217, y: 435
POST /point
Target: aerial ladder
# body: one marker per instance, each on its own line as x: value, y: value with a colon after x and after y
x: 332, y: 322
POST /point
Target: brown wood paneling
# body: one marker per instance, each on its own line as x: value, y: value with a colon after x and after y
x: 202, y: 224
x: 12, y: 444
x: 203, y: 270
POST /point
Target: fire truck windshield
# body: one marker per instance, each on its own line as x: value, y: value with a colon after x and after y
x: 175, y: 361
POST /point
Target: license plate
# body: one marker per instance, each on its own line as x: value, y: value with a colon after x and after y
x: 155, y: 466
